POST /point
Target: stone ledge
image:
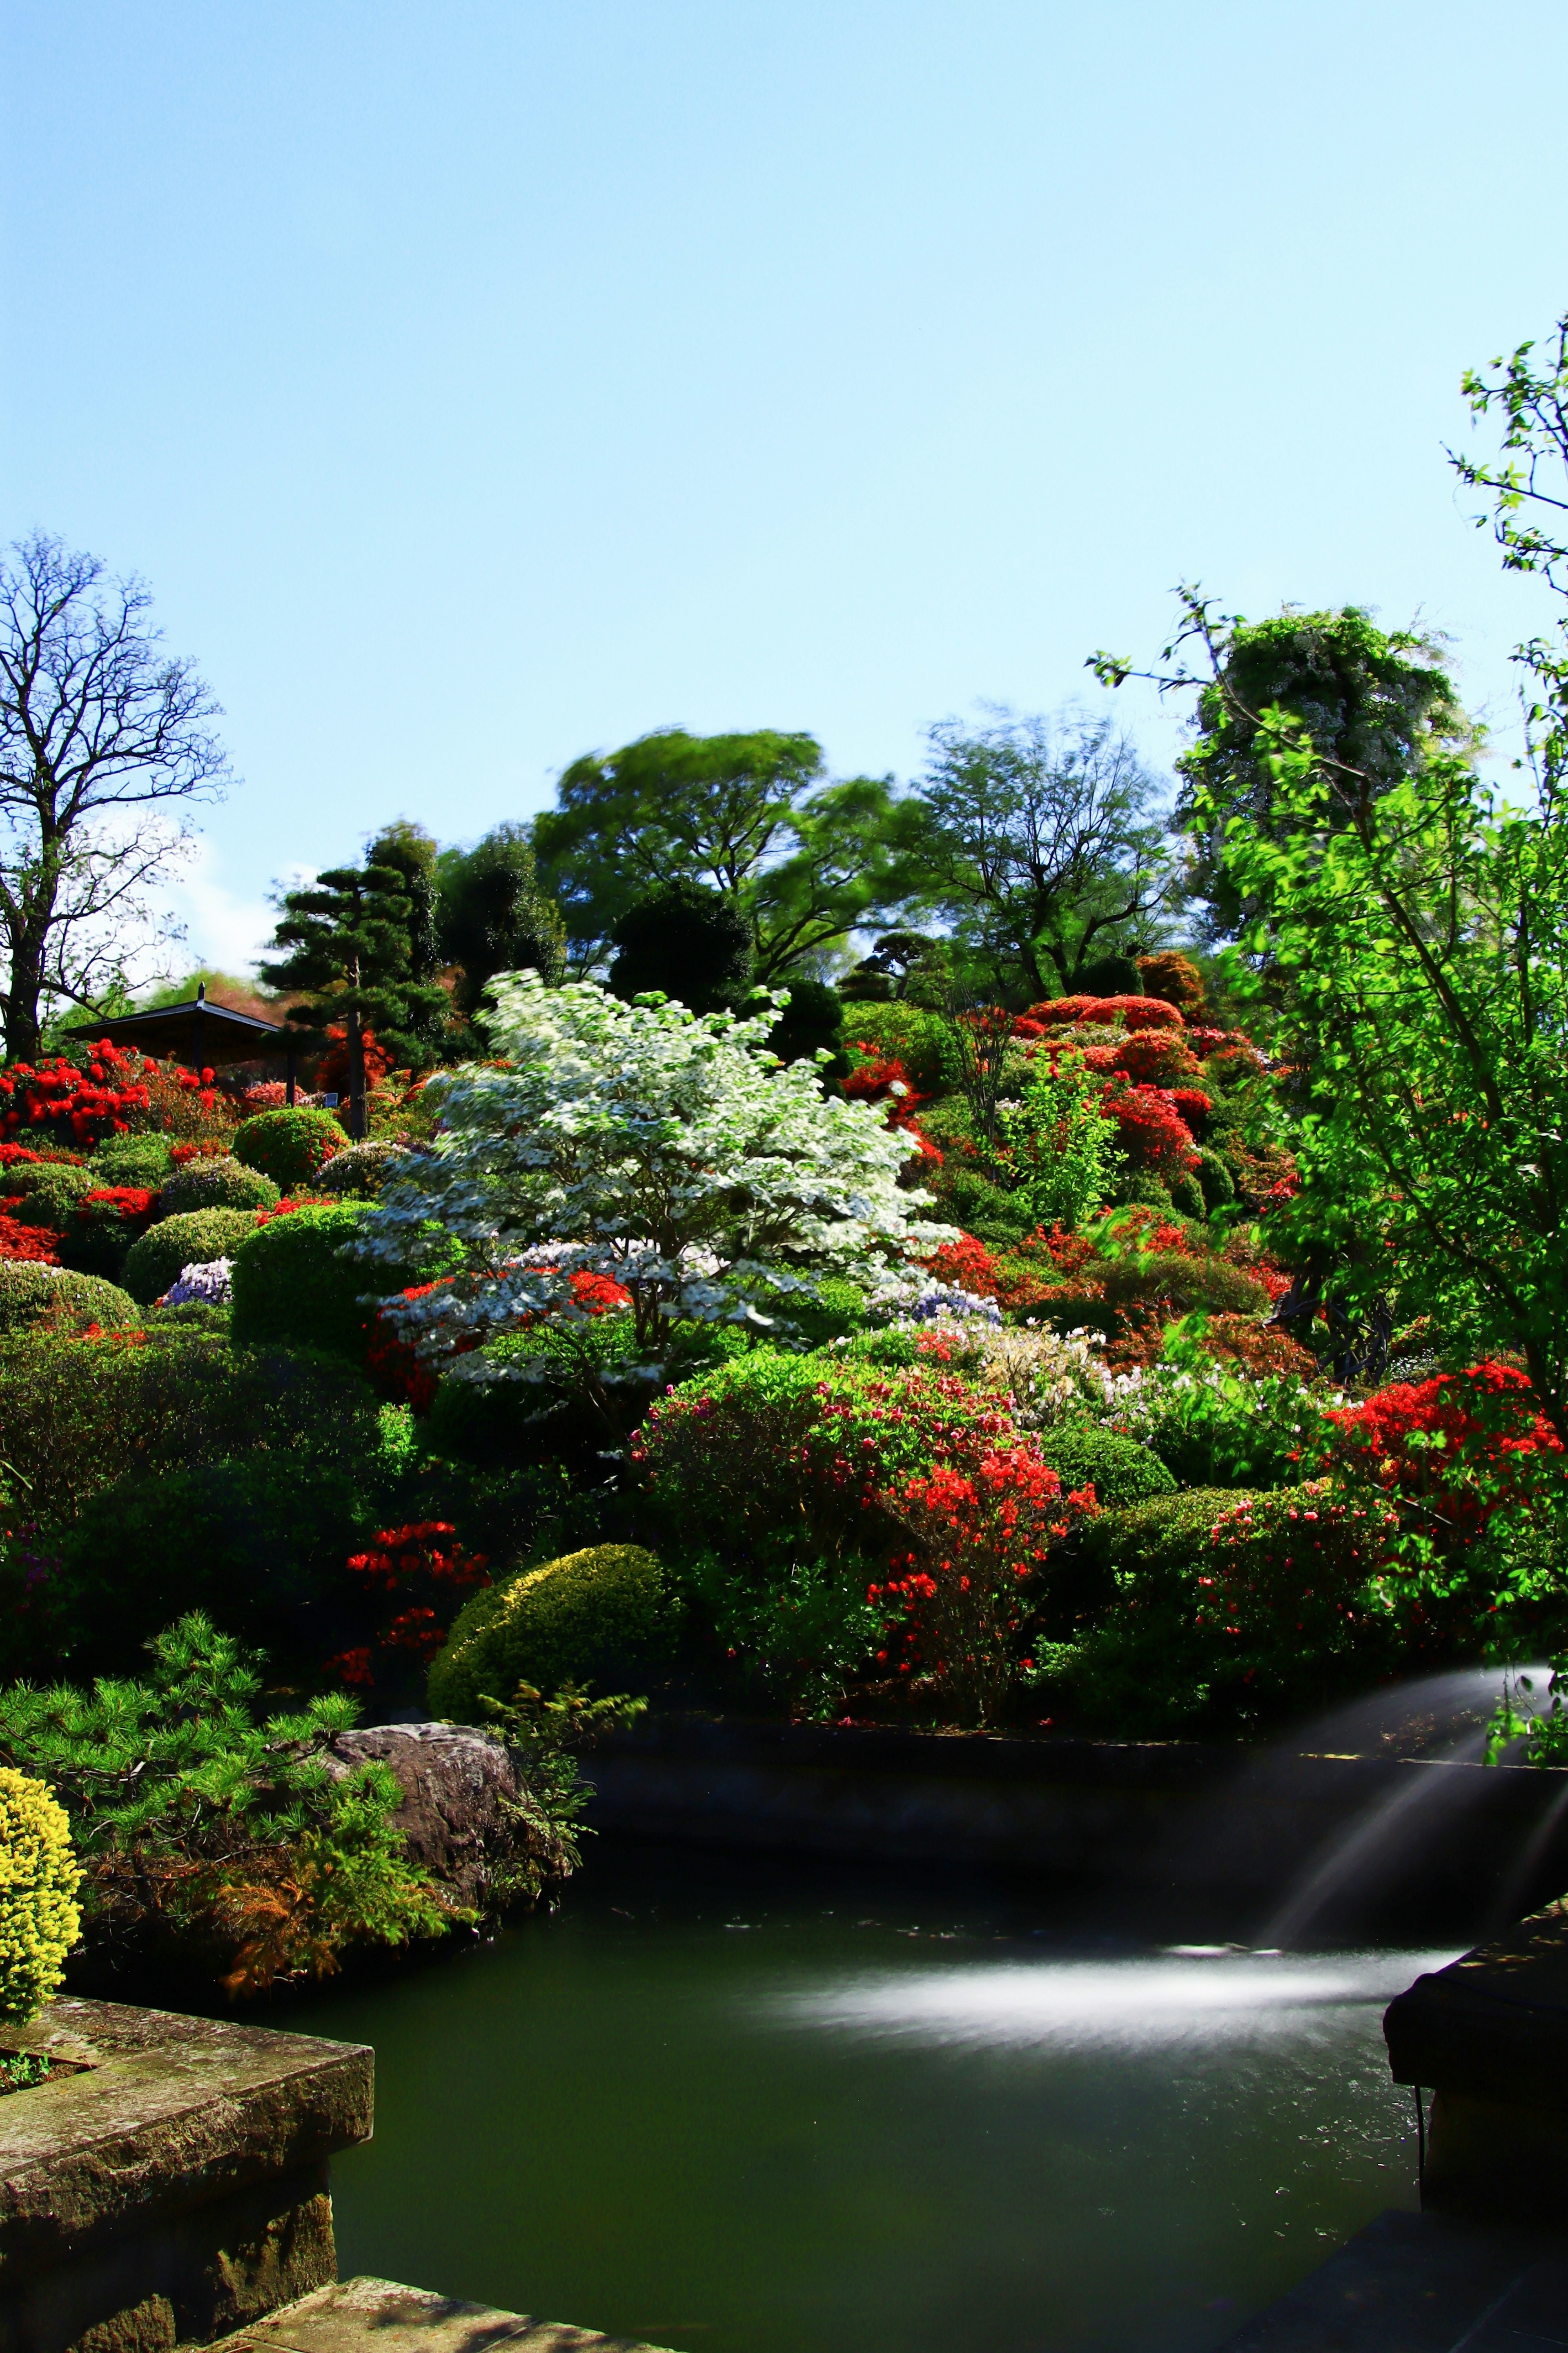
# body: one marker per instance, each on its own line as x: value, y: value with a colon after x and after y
x: 374, y: 2316
x: 168, y: 2113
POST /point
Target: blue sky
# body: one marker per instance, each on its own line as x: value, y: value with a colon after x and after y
x: 480, y: 384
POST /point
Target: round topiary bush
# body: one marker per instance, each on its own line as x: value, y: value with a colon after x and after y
x: 600, y: 1615
x: 216, y: 1185
x: 155, y: 1262
x: 1120, y: 1472
x: 49, y: 1193
x: 362, y: 1169
x: 290, y: 1145
x: 39, y: 1876
x: 291, y: 1283
x: 1216, y: 1179
x: 133, y: 1160
x: 32, y: 1294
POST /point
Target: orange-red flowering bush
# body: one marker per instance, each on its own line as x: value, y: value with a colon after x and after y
x: 426, y: 1573
x: 1131, y: 1012
x: 76, y: 1103
x: 1455, y: 1449
x: 982, y: 1525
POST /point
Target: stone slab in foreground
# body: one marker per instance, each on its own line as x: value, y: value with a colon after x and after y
x: 175, y: 2186
x: 373, y: 2315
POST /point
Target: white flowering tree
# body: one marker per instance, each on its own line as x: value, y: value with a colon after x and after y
x: 641, y: 1145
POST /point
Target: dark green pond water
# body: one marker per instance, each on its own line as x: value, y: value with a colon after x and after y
x: 741, y: 2112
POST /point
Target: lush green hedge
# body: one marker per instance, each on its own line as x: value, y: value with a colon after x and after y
x: 1120, y: 1472
x: 292, y: 1283
x: 1188, y: 1280
x: 133, y: 1160
x: 604, y: 1616
x: 1222, y: 1611
x: 33, y: 1296
x: 215, y: 1185
x: 49, y: 1192
x: 155, y: 1263
x: 290, y: 1145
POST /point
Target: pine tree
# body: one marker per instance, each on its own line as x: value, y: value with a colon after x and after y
x: 348, y: 939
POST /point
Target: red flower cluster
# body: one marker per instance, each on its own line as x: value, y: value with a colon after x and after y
x: 87, y: 1102
x: 205, y: 1147
x: 41, y: 1244
x: 1151, y: 1128
x: 1132, y: 1012
x: 128, y: 1202
x: 1458, y: 1447
x: 970, y: 1266
x: 425, y: 1568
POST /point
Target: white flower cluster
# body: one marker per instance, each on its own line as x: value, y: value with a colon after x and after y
x: 741, y: 1178
x: 918, y: 1299
x: 206, y: 1285
x: 1048, y: 1373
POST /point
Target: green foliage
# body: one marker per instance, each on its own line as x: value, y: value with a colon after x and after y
x: 144, y: 1159
x: 591, y: 1615
x: 1378, y: 704
x: 1108, y: 976
x: 1224, y: 1611
x: 543, y: 1736
x: 1191, y: 1281
x: 349, y: 940
x: 805, y: 863
x: 1064, y: 1143
x: 49, y: 1192
x: 225, y: 1184
x: 155, y: 1262
x: 1214, y: 1180
x: 1038, y: 840
x: 360, y: 1171
x: 914, y: 1035
x: 493, y: 916
x: 1120, y: 1470
x: 810, y: 1024
x: 1213, y: 1425
x: 688, y: 943
x: 39, y: 1880
x: 208, y: 1831
x: 292, y: 1283
x: 49, y: 1295
x: 793, y: 1632
x: 290, y: 1145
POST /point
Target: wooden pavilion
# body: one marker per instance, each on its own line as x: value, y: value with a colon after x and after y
x: 200, y: 1034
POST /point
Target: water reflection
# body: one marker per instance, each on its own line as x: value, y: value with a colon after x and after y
x: 1136, y: 2005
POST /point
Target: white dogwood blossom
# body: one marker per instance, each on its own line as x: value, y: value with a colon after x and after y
x: 670, y: 1153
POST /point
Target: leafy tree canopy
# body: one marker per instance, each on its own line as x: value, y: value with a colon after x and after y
x: 688, y: 942
x: 1039, y: 840
x: 493, y: 915
x: 747, y: 815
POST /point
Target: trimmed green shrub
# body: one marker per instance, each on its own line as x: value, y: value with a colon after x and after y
x: 155, y: 1263
x: 1187, y: 1195
x: 1214, y: 1179
x: 362, y: 1169
x: 39, y: 1877
x: 290, y: 1145
x: 1120, y: 1472
x: 922, y: 1041
x: 216, y: 1185
x: 1226, y: 1610
x: 133, y: 1160
x: 49, y: 1193
x: 291, y: 1283
x: 600, y: 1615
x: 33, y: 1296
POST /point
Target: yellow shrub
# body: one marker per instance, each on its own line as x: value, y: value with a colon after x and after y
x: 600, y: 1614
x: 39, y: 1877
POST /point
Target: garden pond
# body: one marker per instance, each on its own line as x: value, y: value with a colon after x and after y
x: 736, y: 2108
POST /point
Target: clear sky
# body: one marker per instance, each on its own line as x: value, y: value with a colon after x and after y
x: 481, y: 382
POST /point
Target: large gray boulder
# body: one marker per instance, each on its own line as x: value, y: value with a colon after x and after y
x: 458, y: 1817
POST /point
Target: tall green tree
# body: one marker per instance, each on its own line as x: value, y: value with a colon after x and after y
x: 493, y: 915
x: 345, y: 941
x: 1379, y: 702
x: 688, y: 942
x: 747, y: 816
x: 1041, y: 842
x: 410, y: 851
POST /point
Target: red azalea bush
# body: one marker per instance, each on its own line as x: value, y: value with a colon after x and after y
x: 982, y: 1524
x: 77, y: 1102
x: 970, y: 1266
x: 1131, y: 1012
x: 1156, y: 1058
x: 1151, y: 1129
x: 423, y: 1570
x: 41, y: 1244
x: 1457, y: 1448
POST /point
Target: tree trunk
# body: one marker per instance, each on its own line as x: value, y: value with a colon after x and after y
x: 358, y: 1121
